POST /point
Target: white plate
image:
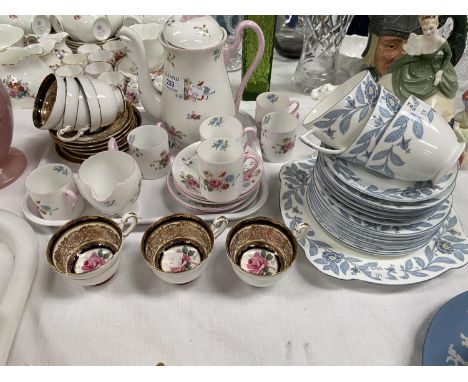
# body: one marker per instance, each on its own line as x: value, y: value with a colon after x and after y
x: 18, y: 242
x: 382, y: 187
x: 185, y: 167
x: 447, y: 250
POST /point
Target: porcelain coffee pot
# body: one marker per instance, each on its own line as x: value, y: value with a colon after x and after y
x: 195, y: 83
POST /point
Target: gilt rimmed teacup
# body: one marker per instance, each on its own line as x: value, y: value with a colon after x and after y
x: 102, y: 56
x: 149, y: 146
x: 178, y: 247
x: 341, y: 116
x: 89, y: 48
x: 225, y: 126
x: 278, y: 136
x: 418, y: 145
x: 221, y: 168
x: 53, y: 190
x: 88, y: 250
x: 262, y: 249
x: 80, y: 59
x: 95, y: 69
x: 385, y: 110
x: 274, y: 101
x: 69, y: 70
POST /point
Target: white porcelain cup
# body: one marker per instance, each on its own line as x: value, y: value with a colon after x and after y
x: 52, y: 90
x: 69, y: 70
x: 117, y: 48
x: 87, y: 28
x: 228, y: 127
x: 53, y: 190
x: 38, y: 25
x: 101, y: 56
x: 418, y: 145
x: 110, y: 181
x: 116, y: 79
x: 221, y: 168
x: 274, y: 101
x: 149, y: 146
x: 88, y: 48
x: 340, y: 117
x: 95, y: 69
x: 278, y: 136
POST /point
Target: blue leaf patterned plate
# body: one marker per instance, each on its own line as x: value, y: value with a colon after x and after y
x: 448, y: 249
x: 391, y: 189
x: 446, y: 340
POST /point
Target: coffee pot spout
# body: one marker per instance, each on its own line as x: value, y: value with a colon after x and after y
x: 149, y: 96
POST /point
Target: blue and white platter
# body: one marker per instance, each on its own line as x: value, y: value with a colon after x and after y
x: 446, y: 340
x: 446, y: 250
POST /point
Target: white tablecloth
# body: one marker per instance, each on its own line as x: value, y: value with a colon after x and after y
x: 136, y: 319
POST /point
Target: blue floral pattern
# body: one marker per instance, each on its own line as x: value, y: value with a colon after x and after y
x: 272, y: 98
x: 220, y: 144
x: 448, y: 249
x: 61, y: 170
x: 360, y: 105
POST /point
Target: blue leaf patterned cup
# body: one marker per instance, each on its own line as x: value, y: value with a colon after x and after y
x: 418, y: 145
x: 341, y: 116
x: 386, y: 108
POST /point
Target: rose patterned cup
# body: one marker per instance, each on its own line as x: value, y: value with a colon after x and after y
x: 274, y: 101
x: 53, y: 190
x: 221, y: 169
x: 278, y: 136
x: 225, y: 126
x: 117, y: 48
x: 149, y: 146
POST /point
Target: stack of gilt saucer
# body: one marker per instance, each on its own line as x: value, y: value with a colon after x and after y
x: 374, y: 213
x: 184, y: 187
x: 74, y: 45
x: 90, y: 144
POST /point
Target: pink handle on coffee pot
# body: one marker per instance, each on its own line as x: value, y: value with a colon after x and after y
x: 232, y: 48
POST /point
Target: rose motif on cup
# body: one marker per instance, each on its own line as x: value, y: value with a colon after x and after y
x: 190, y: 182
x: 286, y: 146
x: 92, y: 263
x: 259, y: 262
x: 162, y: 162
x: 186, y: 262
x: 218, y: 183
x: 92, y: 259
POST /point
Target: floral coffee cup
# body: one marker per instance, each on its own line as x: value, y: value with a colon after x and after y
x: 149, y: 146
x: 53, y: 190
x: 274, y: 101
x: 278, y: 136
x: 341, y: 116
x: 221, y: 169
x: 225, y: 126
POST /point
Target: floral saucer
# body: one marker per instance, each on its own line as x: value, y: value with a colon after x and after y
x: 448, y: 249
x: 185, y: 171
x: 386, y: 188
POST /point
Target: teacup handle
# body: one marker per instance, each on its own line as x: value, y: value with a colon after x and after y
x: 301, y: 231
x: 251, y: 156
x: 67, y: 129
x: 295, y: 109
x: 72, y: 196
x: 112, y: 145
x: 303, y: 139
x: 250, y: 133
x: 130, y: 219
x: 219, y: 225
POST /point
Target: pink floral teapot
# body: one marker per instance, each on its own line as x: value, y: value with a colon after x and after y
x: 195, y: 83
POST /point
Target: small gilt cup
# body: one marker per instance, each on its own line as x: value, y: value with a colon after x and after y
x: 87, y: 250
x: 178, y: 247
x: 261, y: 249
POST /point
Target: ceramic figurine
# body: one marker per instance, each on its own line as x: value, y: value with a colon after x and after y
x: 387, y: 34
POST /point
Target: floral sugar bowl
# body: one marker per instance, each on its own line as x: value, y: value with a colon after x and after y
x: 178, y: 247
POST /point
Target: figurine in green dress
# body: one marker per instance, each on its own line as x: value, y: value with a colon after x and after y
x: 426, y: 68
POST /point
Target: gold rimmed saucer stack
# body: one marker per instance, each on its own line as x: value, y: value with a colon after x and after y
x: 90, y: 144
x: 74, y: 45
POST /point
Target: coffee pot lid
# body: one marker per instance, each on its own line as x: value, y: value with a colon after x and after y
x: 192, y: 32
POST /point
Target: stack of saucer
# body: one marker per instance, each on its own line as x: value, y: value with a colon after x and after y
x: 183, y: 184
x: 92, y: 143
x: 374, y: 213
x: 74, y: 45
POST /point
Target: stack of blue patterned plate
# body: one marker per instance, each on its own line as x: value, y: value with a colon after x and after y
x: 376, y: 214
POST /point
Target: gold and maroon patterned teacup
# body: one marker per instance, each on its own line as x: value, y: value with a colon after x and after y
x: 87, y: 250
x: 177, y: 247
x: 261, y: 249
